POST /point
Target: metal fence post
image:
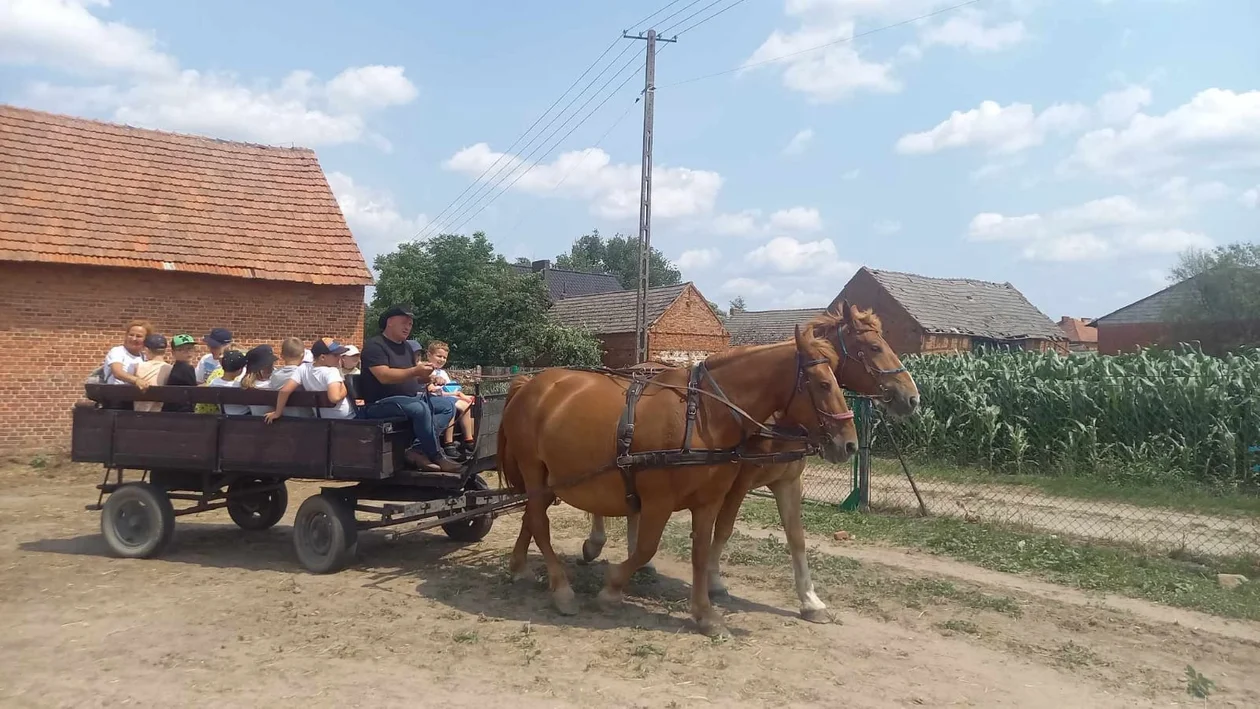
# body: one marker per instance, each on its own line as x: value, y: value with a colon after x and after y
x: 866, y: 429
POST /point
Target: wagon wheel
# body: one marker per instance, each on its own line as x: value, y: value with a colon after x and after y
x: 256, y: 511
x: 469, y: 529
x: 137, y: 520
x: 324, y: 533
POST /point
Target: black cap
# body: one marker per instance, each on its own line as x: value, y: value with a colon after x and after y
x: 400, y: 309
x: 218, y: 337
x: 156, y: 341
x: 414, y: 346
x: 319, y: 347
x: 233, y: 361
x: 260, y: 358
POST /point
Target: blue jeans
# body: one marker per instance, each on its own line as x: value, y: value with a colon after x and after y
x: 428, y: 415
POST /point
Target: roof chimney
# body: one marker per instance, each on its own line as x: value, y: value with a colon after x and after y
x: 542, y: 265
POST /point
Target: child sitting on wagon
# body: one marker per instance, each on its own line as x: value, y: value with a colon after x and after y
x: 441, y: 384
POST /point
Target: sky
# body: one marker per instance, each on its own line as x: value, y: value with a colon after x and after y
x: 1072, y: 148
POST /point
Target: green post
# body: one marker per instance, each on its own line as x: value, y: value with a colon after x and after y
x: 859, y: 498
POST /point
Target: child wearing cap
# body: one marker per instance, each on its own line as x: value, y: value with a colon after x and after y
x: 260, y: 364
x: 233, y: 367
x: 322, y: 374
x: 217, y: 340
x: 182, y: 373
x: 154, y: 370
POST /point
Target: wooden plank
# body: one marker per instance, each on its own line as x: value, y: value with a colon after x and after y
x: 177, y: 441
x: 292, y: 447
x: 118, y: 393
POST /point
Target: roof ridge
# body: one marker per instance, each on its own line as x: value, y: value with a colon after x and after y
x: 61, y: 118
x: 940, y: 278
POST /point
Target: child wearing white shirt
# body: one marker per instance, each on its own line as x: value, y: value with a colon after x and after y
x: 233, y: 367
x: 322, y: 374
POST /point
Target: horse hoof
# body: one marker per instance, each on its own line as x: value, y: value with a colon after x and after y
x: 713, y: 628
x: 816, y: 615
x: 591, y: 550
x: 648, y: 568
x: 719, y: 593
x: 609, y: 600
x: 565, y: 601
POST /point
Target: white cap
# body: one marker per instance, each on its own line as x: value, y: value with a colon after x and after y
x: 351, y: 351
x: 307, y: 357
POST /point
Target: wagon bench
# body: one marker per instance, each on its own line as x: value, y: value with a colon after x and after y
x: 242, y: 463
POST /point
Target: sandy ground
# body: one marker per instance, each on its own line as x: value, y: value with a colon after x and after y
x: 1152, y: 527
x: 228, y: 618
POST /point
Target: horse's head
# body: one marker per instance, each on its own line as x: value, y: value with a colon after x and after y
x: 867, y: 364
x: 817, y: 403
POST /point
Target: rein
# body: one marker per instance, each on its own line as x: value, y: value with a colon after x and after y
x: 629, y: 463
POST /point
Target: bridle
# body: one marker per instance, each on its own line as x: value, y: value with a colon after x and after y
x: 803, y: 364
x: 876, y: 373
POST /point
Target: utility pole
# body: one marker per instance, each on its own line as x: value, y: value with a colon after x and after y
x: 645, y: 193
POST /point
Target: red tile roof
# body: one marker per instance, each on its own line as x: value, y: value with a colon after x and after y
x: 1077, y: 329
x: 79, y: 191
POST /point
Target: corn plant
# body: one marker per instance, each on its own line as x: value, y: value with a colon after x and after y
x: 1153, y: 417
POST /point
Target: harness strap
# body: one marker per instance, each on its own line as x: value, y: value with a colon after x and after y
x: 625, y: 437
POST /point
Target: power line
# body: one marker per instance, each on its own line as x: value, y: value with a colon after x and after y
x: 436, y: 222
x: 844, y: 40
x: 710, y: 17
x: 690, y: 5
x: 555, y: 144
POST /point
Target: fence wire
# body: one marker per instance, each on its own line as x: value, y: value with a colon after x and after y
x: 1166, y: 464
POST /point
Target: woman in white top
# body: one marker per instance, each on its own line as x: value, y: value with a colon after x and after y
x: 121, y: 361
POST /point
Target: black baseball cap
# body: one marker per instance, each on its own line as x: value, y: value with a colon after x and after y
x: 400, y: 309
x: 319, y: 347
x: 260, y: 358
x: 218, y: 337
x: 233, y: 361
x: 155, y: 341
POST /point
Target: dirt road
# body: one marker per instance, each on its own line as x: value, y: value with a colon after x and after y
x: 228, y: 618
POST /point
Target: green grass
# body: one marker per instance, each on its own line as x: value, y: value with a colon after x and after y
x: 1172, y: 581
x: 1186, y: 496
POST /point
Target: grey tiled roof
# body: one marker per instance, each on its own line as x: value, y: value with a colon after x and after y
x: 761, y: 327
x: 1153, y: 308
x: 968, y: 307
x: 563, y: 284
x: 608, y: 313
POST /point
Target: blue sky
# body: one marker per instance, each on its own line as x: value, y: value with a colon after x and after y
x: 1071, y: 148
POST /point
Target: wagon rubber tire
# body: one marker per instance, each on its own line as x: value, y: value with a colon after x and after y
x: 324, y: 534
x: 137, y: 520
x: 260, y: 510
x: 470, y: 529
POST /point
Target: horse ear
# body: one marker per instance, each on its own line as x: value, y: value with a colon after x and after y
x: 801, y: 340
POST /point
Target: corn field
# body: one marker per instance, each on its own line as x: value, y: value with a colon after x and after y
x: 1150, y: 418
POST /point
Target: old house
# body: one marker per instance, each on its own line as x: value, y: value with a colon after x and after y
x: 926, y: 315
x: 682, y: 328
x: 762, y: 327
x: 1081, y: 337
x: 1159, y: 320
x: 564, y: 283
x: 103, y: 223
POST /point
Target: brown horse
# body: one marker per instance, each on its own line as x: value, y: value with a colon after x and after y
x: 869, y: 367
x: 557, y: 439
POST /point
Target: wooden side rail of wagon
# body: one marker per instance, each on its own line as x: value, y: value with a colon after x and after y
x: 242, y: 463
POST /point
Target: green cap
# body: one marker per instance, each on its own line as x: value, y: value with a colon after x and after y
x: 181, y: 340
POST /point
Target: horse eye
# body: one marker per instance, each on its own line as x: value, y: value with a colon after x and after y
x: 824, y: 385
x: 875, y: 348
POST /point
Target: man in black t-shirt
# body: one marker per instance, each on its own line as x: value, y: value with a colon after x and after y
x: 391, y: 385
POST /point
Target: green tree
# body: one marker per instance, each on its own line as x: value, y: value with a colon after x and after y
x: 618, y: 255
x: 737, y: 304
x: 466, y: 294
x: 1223, y: 307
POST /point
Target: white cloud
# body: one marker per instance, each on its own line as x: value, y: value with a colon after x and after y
x: 787, y: 255
x: 698, y: 258
x: 65, y: 34
x: 374, y: 219
x: 1217, y: 129
x: 1005, y: 130
x: 148, y: 88
x: 796, y: 219
x: 886, y: 226
x: 745, y: 286
x: 797, y: 144
x: 967, y: 29
x: 739, y: 224
x: 612, y: 189
x: 828, y: 74
x: 1250, y: 198
x: 1101, y: 228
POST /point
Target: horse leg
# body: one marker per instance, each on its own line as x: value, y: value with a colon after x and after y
x: 540, y: 527
x: 722, y: 531
x: 702, y: 612
x: 594, y: 543
x: 651, y: 525
x: 632, y: 535
x: 787, y: 495
x: 516, y: 565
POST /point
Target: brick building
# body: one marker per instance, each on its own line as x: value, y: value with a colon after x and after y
x: 682, y: 328
x: 1150, y: 322
x: 1081, y: 337
x: 761, y: 327
x: 928, y: 315
x: 102, y: 223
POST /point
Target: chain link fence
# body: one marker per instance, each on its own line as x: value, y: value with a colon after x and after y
x: 1165, y: 458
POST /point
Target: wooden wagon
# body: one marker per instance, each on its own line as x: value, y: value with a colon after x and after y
x: 206, y: 462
